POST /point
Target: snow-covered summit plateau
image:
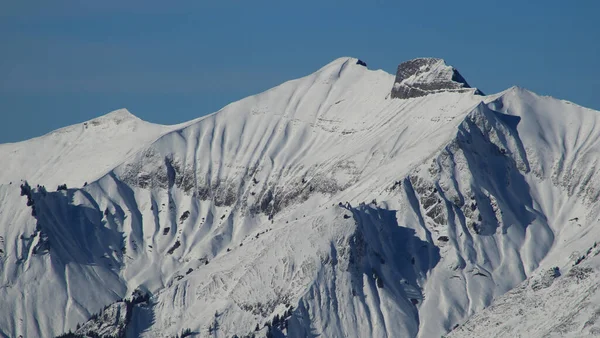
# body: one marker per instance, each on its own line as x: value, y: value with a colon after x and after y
x: 347, y: 203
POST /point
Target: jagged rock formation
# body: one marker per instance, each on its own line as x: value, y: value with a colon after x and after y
x: 424, y: 76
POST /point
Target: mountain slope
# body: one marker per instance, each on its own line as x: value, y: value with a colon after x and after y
x: 324, y: 206
x: 560, y: 140
x: 557, y: 302
x: 90, y: 148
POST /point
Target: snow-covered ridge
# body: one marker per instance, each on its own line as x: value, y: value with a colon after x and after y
x: 78, y: 153
x: 319, y: 207
x: 117, y: 117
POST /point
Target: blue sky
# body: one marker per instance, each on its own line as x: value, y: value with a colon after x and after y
x: 64, y: 62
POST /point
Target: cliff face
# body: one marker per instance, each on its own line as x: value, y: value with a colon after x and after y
x: 424, y: 76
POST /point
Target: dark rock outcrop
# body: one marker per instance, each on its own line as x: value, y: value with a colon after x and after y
x: 361, y: 63
x: 424, y: 76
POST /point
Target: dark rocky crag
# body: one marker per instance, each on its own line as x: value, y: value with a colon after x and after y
x: 424, y: 76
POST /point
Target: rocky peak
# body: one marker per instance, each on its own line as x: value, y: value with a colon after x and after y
x: 424, y: 76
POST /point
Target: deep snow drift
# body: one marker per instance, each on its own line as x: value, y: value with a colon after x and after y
x: 327, y: 206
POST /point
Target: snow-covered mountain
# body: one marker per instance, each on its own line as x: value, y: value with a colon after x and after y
x: 348, y: 203
x: 77, y: 153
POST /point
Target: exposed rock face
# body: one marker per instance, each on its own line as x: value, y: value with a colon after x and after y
x: 424, y: 76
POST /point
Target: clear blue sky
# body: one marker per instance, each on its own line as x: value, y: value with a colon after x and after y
x: 64, y: 62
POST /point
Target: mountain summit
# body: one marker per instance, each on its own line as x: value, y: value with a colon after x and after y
x: 424, y: 76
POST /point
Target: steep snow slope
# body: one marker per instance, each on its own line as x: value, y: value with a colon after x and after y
x: 557, y: 302
x: 320, y: 207
x: 561, y: 143
x: 325, y: 134
x: 72, y: 155
x: 531, y: 182
x: 90, y: 149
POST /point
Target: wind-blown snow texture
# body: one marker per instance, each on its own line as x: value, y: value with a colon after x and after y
x: 326, y: 206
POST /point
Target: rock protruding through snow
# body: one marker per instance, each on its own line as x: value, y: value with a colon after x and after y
x: 424, y: 76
